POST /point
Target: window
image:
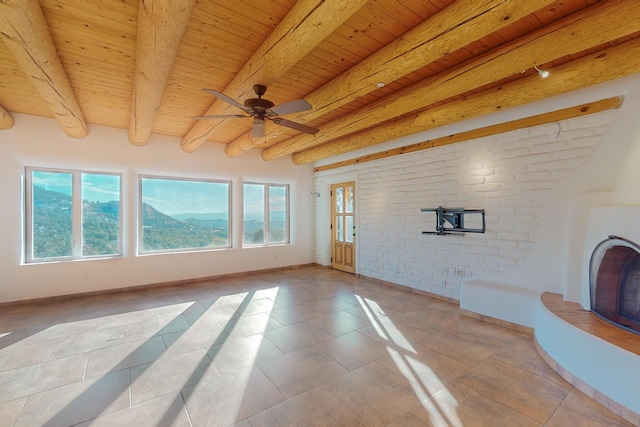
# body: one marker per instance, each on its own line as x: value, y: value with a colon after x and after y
x: 265, y: 214
x: 183, y: 214
x: 72, y: 214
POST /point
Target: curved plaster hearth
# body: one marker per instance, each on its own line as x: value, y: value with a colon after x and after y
x: 601, y: 360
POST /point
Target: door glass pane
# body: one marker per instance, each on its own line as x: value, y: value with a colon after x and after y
x: 339, y: 229
x: 349, y: 200
x: 100, y: 214
x: 51, y: 214
x: 349, y: 229
x: 339, y: 200
x: 278, y: 214
x: 253, y: 214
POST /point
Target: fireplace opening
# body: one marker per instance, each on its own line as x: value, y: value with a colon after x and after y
x: 614, y: 276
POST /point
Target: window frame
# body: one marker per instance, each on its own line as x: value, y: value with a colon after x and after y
x: 267, y: 214
x: 140, y: 231
x: 76, y: 215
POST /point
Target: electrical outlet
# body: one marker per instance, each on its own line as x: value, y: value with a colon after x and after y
x: 459, y: 272
x: 467, y: 274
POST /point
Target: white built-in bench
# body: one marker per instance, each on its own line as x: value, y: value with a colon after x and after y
x: 508, y: 303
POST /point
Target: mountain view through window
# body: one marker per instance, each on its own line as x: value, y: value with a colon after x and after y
x: 54, y: 213
x: 184, y: 214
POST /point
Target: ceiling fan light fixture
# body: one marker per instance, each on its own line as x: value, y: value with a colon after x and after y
x: 543, y: 73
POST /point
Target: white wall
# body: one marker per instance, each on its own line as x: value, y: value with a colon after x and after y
x: 40, y: 142
x: 530, y: 182
x: 534, y: 183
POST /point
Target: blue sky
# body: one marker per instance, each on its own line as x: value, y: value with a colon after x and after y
x: 169, y: 196
x: 100, y: 188
x: 253, y: 198
x: 96, y: 188
x: 173, y: 197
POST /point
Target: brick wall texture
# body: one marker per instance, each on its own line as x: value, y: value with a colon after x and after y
x: 510, y: 176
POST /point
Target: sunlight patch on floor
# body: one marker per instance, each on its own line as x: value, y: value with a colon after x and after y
x: 424, y: 382
x: 235, y: 401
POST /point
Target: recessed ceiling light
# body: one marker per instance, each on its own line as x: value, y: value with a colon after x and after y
x: 380, y: 84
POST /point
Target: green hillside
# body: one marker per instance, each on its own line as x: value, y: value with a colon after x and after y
x: 163, y: 232
x: 52, y: 224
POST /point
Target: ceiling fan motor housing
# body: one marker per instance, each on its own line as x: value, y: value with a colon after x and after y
x: 258, y: 104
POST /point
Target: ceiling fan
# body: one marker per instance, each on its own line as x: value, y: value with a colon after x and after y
x: 261, y: 109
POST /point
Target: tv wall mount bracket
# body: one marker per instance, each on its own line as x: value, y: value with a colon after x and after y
x: 452, y: 220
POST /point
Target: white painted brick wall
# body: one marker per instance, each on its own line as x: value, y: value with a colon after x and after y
x: 509, y: 175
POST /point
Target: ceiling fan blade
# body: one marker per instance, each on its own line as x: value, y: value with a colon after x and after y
x: 220, y: 116
x: 296, y: 126
x: 257, y: 130
x: 294, y: 106
x: 227, y: 99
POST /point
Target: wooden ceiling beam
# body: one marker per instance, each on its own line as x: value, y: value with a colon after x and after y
x: 455, y: 27
x: 526, y: 122
x: 305, y: 26
x: 161, y: 25
x: 25, y: 32
x: 6, y: 120
x: 592, y: 27
x: 608, y: 64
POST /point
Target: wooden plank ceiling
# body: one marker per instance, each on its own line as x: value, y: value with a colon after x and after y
x: 141, y: 64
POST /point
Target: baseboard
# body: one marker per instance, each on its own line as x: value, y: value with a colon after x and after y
x: 499, y: 322
x: 149, y: 286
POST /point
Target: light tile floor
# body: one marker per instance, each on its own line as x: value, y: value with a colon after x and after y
x: 299, y: 347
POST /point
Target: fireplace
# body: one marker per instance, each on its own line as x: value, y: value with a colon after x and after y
x: 614, y: 277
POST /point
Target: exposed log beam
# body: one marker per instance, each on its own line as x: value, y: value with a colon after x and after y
x: 307, y: 24
x: 6, y: 120
x: 25, y: 32
x: 605, y: 65
x: 161, y: 25
x: 537, y: 120
x: 453, y: 28
x: 593, y: 27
